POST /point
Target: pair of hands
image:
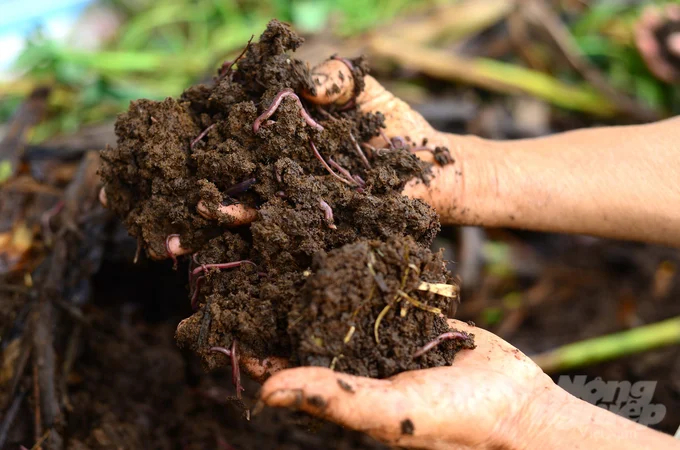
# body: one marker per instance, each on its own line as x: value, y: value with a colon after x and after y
x: 493, y: 396
x: 483, y: 399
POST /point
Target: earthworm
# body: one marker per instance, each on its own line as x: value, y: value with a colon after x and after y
x: 235, y: 370
x: 328, y: 168
x: 229, y: 265
x: 360, y: 152
x: 205, y: 267
x: 342, y: 170
x: 450, y: 335
x: 169, y: 252
x: 328, y: 213
x: 398, y: 140
x: 241, y: 187
x: 197, y: 288
x: 369, y: 147
x: 200, y: 136
x: 274, y: 106
x: 384, y: 136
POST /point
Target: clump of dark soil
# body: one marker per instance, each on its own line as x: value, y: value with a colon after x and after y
x: 354, y: 285
x: 288, y: 298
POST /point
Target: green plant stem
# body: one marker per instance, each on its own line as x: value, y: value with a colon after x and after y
x: 612, y: 346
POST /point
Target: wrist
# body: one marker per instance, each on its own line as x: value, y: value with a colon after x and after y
x: 471, y: 190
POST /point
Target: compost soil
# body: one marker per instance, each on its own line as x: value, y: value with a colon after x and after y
x: 288, y: 298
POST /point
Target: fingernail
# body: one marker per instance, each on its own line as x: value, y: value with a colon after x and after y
x: 286, y: 398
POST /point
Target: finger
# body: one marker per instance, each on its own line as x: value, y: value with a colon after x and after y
x: 359, y: 403
x: 235, y: 215
x: 334, y: 83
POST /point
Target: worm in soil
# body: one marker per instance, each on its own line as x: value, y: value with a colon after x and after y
x: 200, y: 136
x: 360, y: 152
x: 169, y: 252
x: 328, y: 214
x: 450, y: 335
x: 274, y: 106
x: 235, y: 370
x: 326, y: 166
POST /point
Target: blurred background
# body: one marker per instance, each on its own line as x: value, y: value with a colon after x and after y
x: 500, y: 69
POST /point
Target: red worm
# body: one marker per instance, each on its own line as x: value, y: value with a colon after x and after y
x: 235, y: 369
x: 323, y: 161
x: 450, y: 335
x: 169, y: 252
x: 328, y: 213
x: 200, y: 136
x: 274, y: 106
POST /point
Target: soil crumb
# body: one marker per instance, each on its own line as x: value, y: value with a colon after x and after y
x: 335, y: 246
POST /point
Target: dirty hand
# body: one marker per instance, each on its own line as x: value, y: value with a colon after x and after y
x: 614, y: 182
x: 491, y: 397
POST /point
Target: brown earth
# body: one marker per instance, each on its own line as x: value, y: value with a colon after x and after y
x: 160, y: 170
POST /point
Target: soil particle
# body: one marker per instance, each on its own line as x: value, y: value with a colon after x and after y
x: 345, y: 386
x: 407, y: 427
x: 160, y: 170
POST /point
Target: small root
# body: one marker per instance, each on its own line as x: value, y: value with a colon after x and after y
x: 228, y: 66
x: 450, y: 335
x: 418, y: 304
x: 376, y: 326
x: 349, y: 334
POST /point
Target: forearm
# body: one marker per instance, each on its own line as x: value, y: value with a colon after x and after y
x: 573, y: 423
x: 616, y: 182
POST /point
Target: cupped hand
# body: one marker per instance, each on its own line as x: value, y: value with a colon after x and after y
x: 487, y: 398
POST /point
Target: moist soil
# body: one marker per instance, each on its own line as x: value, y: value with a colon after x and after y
x: 324, y: 256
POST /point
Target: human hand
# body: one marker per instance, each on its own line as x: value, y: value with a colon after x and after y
x: 491, y: 397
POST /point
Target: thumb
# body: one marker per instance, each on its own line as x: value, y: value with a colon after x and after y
x: 376, y: 407
x: 335, y: 84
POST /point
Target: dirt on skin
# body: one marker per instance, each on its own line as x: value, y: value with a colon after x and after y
x: 289, y: 287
